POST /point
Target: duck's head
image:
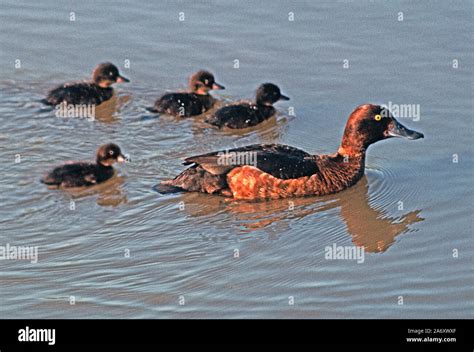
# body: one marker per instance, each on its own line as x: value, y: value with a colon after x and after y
x: 202, y: 82
x: 368, y: 124
x: 268, y: 94
x: 108, y: 154
x: 107, y: 74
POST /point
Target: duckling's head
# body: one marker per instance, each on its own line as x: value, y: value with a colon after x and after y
x: 202, y: 82
x: 268, y: 94
x: 107, y: 74
x: 108, y: 154
x: 368, y: 124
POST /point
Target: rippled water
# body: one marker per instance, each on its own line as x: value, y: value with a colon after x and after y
x: 126, y: 251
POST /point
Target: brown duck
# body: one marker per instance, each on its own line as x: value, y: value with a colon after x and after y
x: 274, y: 171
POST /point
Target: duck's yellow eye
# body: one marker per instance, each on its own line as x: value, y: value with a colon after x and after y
x: 378, y: 117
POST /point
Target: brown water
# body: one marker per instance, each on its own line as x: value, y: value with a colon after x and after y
x: 184, y: 245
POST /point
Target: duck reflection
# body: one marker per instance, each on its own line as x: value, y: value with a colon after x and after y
x: 107, y: 111
x: 109, y: 194
x: 371, y: 228
x: 368, y: 227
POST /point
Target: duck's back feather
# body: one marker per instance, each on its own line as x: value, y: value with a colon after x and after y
x: 79, y: 93
x: 78, y: 175
x: 241, y: 115
x: 278, y: 160
x: 183, y: 104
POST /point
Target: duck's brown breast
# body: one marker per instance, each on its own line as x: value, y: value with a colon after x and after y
x: 250, y: 183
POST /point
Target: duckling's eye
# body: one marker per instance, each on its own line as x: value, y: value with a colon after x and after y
x: 111, y: 152
x: 378, y: 117
x: 111, y: 73
x: 206, y: 81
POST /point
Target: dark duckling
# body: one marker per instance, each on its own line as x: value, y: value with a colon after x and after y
x: 90, y: 92
x: 192, y: 103
x: 246, y: 114
x: 81, y: 174
x: 278, y: 171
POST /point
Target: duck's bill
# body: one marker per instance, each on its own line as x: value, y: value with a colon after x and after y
x: 396, y: 129
x: 217, y: 86
x: 121, y: 158
x: 122, y: 79
x: 284, y: 97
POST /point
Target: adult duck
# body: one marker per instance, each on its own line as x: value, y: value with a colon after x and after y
x: 272, y: 171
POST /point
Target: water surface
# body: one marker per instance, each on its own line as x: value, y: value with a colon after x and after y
x: 125, y: 251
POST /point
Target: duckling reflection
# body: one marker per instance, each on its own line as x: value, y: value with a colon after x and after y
x: 107, y: 111
x: 109, y: 193
x: 368, y: 227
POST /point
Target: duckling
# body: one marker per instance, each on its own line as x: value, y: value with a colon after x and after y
x: 272, y: 171
x: 242, y: 115
x: 89, y: 92
x: 81, y: 174
x: 192, y: 103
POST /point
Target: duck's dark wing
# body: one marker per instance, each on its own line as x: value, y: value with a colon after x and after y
x: 281, y: 161
x: 79, y: 93
x: 182, y: 104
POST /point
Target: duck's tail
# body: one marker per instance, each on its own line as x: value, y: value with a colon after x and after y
x: 45, y: 102
x: 166, y: 187
x: 50, y: 181
x: 152, y: 109
x: 193, y: 179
